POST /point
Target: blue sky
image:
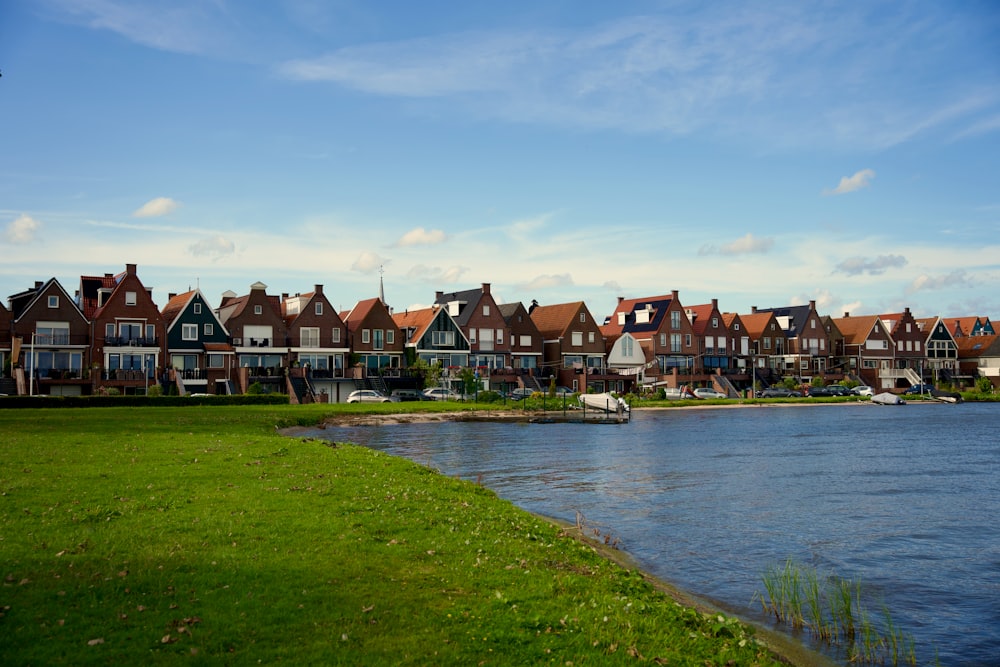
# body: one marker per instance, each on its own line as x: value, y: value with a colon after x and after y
x: 761, y: 154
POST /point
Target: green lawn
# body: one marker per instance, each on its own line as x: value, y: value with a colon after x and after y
x: 202, y: 534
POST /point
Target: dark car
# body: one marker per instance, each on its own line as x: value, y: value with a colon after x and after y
x: 919, y: 389
x: 818, y: 392
x: 778, y: 392
x: 838, y: 390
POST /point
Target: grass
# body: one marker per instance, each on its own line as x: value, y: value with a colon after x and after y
x: 172, y: 535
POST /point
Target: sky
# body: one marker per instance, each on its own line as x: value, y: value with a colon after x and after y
x: 761, y: 154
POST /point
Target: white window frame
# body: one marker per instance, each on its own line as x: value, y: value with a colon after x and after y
x: 336, y: 335
x: 576, y: 338
x: 366, y: 336
x: 131, y: 298
x: 196, y: 308
x: 209, y: 329
x: 319, y: 308
x: 309, y: 337
x: 189, y: 331
x: 258, y: 310
x: 53, y: 301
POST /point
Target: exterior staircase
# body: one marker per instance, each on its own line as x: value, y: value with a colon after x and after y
x: 722, y: 383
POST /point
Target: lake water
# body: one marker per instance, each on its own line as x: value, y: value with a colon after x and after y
x: 905, y: 498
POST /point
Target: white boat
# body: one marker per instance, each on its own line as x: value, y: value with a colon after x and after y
x: 605, y: 401
x: 887, y: 398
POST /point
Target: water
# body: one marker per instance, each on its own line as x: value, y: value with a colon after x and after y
x: 906, y: 498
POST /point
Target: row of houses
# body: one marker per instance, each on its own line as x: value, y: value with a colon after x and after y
x: 112, y: 335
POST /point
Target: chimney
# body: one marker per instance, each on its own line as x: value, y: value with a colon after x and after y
x: 753, y: 310
x: 620, y: 299
x: 130, y: 269
x: 715, y: 304
x: 673, y: 295
x: 812, y: 305
x: 284, y: 296
x: 171, y: 295
x: 109, y: 275
x: 438, y: 296
x: 318, y: 289
x: 486, y: 288
x: 906, y: 311
x: 38, y: 284
x: 846, y: 314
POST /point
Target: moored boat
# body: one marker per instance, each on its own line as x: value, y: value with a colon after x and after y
x: 887, y: 398
x: 607, y: 402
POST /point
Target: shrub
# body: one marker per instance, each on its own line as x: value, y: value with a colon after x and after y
x: 984, y: 385
x: 255, y: 388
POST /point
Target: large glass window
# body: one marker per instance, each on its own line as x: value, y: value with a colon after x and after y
x: 309, y: 337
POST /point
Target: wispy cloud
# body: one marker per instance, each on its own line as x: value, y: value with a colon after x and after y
x: 956, y: 278
x: 214, y: 247
x: 22, y: 230
x: 854, y: 266
x: 155, y: 208
x: 547, y: 282
x: 437, y: 275
x: 421, y: 236
x: 745, y: 245
x: 859, y: 180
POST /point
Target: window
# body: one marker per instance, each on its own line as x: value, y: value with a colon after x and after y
x: 628, y: 347
x: 189, y: 332
x: 150, y: 334
x: 812, y: 324
x: 486, y: 310
x: 109, y: 331
x: 715, y: 322
x: 576, y: 338
x: 675, y: 342
x: 675, y: 319
x: 209, y: 329
x: 772, y: 326
x: 216, y: 361
x: 916, y: 345
x: 767, y: 342
x: 663, y: 340
x: 687, y: 340
x: 319, y: 308
x: 196, y: 308
x: 736, y: 326
x: 390, y: 337
x: 443, y: 338
x: 258, y: 310
x: 309, y: 337
x: 336, y: 334
x: 130, y: 298
x: 899, y: 345
x: 472, y: 336
x: 53, y: 301
x: 583, y: 317
x: 590, y: 336
x: 525, y: 341
x: 378, y: 339
x: 499, y: 336
x: 366, y: 336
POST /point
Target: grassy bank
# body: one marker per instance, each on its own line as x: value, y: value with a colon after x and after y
x: 162, y: 535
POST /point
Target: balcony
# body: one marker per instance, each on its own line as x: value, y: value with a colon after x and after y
x: 127, y: 341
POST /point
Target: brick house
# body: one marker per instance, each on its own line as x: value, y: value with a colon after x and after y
x: 808, y: 351
x: 573, y: 348
x: 258, y: 337
x: 483, y: 324
x: 376, y: 343
x: 128, y: 330
x: 869, y: 350
x: 53, y: 340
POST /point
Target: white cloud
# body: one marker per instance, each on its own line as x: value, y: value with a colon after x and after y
x: 214, y: 247
x: 613, y: 286
x: 421, y: 236
x: 367, y: 262
x: 744, y: 245
x: 22, y: 230
x: 859, y: 180
x: 854, y: 266
x: 956, y: 278
x: 155, y: 208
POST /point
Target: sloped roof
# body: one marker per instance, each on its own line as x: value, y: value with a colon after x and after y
x: 508, y: 310
x: 466, y: 297
x: 176, y: 305
x: 90, y: 287
x: 656, y: 305
x: 966, y: 324
x: 795, y: 317
x: 978, y: 346
x: 553, y: 321
x: 856, y: 328
x: 699, y: 316
x: 355, y: 316
x: 756, y: 323
x: 418, y: 320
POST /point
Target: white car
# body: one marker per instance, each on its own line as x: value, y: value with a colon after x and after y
x: 707, y: 392
x: 441, y: 394
x: 862, y: 390
x: 367, y: 396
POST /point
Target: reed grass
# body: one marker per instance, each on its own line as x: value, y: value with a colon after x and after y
x: 835, y: 614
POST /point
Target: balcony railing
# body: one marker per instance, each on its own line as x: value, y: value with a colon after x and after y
x: 124, y: 375
x: 129, y: 341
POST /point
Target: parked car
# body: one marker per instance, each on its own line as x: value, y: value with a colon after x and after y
x: 407, y: 395
x: 778, y: 392
x: 863, y: 390
x: 708, y: 392
x: 838, y: 390
x: 818, y: 392
x: 440, y: 394
x: 367, y: 396
x: 919, y: 389
x: 520, y: 393
x: 564, y: 391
